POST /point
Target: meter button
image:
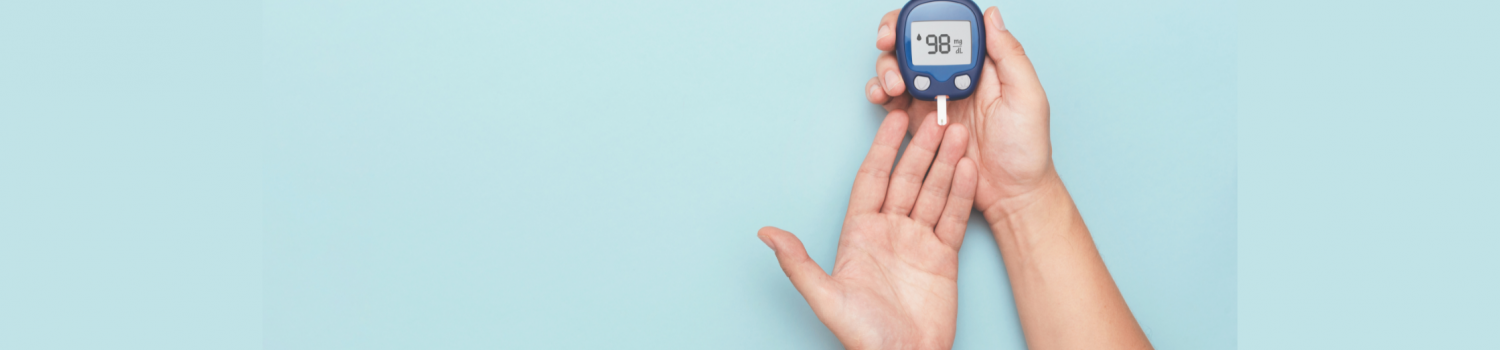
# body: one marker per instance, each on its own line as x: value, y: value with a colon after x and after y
x: 962, y: 82
x: 921, y: 83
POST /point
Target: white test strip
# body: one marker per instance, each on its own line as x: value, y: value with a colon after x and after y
x: 942, y: 102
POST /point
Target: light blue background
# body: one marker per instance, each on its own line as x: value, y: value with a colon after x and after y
x: 1368, y: 166
x: 130, y: 175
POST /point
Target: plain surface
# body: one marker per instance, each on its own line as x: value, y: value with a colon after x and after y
x: 471, y: 174
x: 1368, y: 168
x: 130, y: 197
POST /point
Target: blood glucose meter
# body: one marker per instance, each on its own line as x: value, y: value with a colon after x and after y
x: 941, y: 50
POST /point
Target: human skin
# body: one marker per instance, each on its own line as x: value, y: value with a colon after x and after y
x: 895, y: 280
x: 1064, y: 295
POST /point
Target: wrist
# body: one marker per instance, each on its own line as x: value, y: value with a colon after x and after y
x: 1033, y: 200
x: 1024, y: 220
x: 944, y: 343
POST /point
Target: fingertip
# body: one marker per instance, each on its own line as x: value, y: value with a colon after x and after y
x: 966, y: 172
x: 958, y: 128
x: 892, y: 130
x: 885, y: 39
x: 875, y: 93
x: 955, y: 141
x: 992, y: 15
x: 897, y: 119
x: 930, y: 122
x: 958, y: 132
x: 765, y: 236
x: 893, y: 83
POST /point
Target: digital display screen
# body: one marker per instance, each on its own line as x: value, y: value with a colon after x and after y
x: 940, y: 43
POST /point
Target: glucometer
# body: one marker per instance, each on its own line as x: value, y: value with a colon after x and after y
x: 941, y: 50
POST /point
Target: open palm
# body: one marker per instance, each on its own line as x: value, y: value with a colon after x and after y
x: 1007, y: 116
x: 894, y: 282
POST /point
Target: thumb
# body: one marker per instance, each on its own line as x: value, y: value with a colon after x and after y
x: 805, y: 274
x: 1010, y: 59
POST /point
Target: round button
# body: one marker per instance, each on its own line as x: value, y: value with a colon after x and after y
x: 921, y: 83
x: 962, y: 82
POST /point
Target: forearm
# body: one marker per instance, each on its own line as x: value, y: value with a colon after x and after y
x: 1063, y: 292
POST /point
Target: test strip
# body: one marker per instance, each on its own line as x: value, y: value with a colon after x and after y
x: 942, y: 102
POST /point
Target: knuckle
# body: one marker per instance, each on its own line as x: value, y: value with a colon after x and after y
x: 963, y: 195
x: 936, y: 188
x: 909, y: 177
x: 874, y: 172
x: 1015, y: 49
x: 954, y: 216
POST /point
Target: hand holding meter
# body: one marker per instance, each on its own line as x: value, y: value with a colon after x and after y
x: 940, y: 48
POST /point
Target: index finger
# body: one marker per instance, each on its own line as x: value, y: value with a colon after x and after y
x: 886, y: 39
x: 875, y: 173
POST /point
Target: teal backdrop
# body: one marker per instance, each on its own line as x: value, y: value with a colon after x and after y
x: 131, y: 204
x: 590, y: 174
x: 1368, y: 168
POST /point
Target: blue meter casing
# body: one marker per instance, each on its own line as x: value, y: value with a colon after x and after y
x: 941, y: 50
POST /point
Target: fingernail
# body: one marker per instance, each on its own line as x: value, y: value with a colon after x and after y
x: 768, y: 243
x: 891, y: 80
x: 885, y: 31
x: 875, y: 91
x: 995, y: 19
